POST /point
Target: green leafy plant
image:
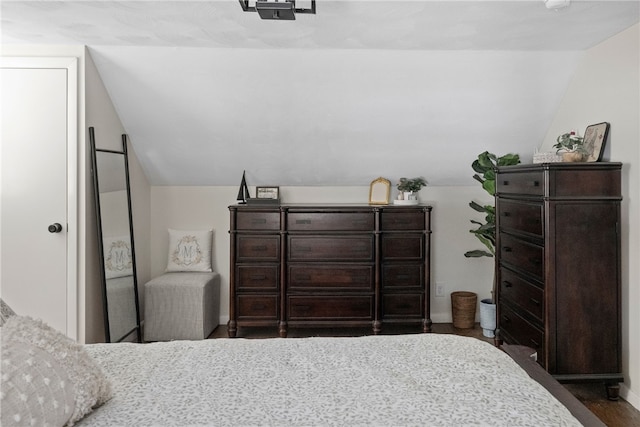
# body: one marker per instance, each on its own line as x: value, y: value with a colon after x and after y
x: 570, y: 142
x: 413, y: 184
x: 484, y: 167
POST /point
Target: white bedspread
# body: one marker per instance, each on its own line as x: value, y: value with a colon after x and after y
x: 421, y: 379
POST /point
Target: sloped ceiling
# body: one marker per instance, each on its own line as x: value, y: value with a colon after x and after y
x: 361, y: 89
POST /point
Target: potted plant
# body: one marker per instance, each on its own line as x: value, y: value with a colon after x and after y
x: 571, y: 146
x: 485, y: 166
x: 408, y: 187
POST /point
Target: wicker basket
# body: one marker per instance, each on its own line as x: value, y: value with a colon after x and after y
x: 463, y: 308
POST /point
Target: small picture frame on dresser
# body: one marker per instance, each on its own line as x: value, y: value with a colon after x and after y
x: 268, y: 192
x: 595, y: 137
x: 379, y: 191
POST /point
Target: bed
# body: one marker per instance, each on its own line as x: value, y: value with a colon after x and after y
x: 385, y: 380
x: 418, y: 379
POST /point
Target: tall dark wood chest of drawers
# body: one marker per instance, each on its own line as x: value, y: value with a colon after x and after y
x: 329, y: 265
x: 558, y: 266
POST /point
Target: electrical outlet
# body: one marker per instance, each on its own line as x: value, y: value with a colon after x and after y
x: 439, y: 289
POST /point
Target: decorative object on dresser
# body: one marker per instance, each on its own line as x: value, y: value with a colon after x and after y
x: 379, y: 191
x: 243, y: 191
x: 558, y: 267
x: 408, y: 188
x: 265, y: 196
x: 329, y: 265
x: 484, y: 167
x: 595, y: 138
x: 571, y: 146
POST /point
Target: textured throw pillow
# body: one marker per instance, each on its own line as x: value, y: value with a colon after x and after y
x: 117, y: 257
x: 189, y: 250
x: 5, y: 312
x: 87, y: 385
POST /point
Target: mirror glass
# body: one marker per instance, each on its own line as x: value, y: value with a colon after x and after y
x: 115, y: 238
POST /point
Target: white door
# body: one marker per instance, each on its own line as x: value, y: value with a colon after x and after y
x: 38, y: 265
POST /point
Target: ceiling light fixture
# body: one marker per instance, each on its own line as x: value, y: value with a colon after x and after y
x: 556, y: 4
x: 282, y: 10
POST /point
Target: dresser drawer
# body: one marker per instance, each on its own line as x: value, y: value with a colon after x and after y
x: 402, y: 306
x: 334, y: 221
x: 402, y: 276
x: 526, y: 183
x: 343, y: 307
x: 526, y: 256
x: 524, y: 217
x: 258, y: 220
x: 516, y: 330
x: 519, y: 292
x: 330, y: 277
x: 257, y: 277
x: 257, y: 307
x: 402, y: 247
x: 402, y: 220
x: 262, y: 248
x: 343, y: 248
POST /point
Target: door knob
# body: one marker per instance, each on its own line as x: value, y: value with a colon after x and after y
x: 55, y: 228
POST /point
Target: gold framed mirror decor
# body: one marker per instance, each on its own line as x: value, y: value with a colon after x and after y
x: 379, y: 191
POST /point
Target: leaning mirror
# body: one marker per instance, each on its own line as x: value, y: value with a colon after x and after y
x: 110, y: 170
x: 379, y: 191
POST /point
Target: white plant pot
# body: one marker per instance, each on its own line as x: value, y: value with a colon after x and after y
x: 488, y: 318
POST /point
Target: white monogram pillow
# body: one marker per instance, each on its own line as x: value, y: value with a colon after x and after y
x: 189, y: 250
x: 117, y: 257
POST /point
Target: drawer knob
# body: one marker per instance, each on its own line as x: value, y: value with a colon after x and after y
x: 506, y: 214
x: 535, y: 183
x: 535, y: 261
x: 507, y: 284
x: 505, y: 182
x: 507, y: 249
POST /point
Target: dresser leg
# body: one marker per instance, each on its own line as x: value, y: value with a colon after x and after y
x: 426, y: 325
x: 282, y: 329
x: 377, y: 327
x: 613, y: 391
x: 232, y: 328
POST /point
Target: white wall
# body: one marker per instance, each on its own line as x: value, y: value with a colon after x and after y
x: 606, y: 87
x: 207, y: 207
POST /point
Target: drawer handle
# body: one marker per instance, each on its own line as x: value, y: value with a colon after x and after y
x: 535, y: 343
x: 361, y: 279
x: 506, y: 319
x: 535, y: 301
x: 358, y: 221
x: 260, y: 248
x: 304, y: 249
x: 303, y: 307
x: 259, y: 221
x: 304, y: 278
x: 535, y: 183
x: 402, y: 276
x: 535, y: 261
x: 258, y: 276
x: 303, y: 221
x: 257, y: 306
x: 507, y: 249
x: 507, y: 284
x: 506, y: 214
x: 402, y: 221
x: 505, y: 182
x: 404, y: 306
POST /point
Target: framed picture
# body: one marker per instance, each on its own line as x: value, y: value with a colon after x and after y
x: 595, y: 137
x: 268, y: 193
x: 379, y: 191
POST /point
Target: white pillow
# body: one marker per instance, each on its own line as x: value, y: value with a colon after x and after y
x: 88, y: 386
x: 117, y: 257
x: 189, y: 250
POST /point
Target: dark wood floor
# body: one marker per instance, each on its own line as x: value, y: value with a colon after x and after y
x: 593, y: 396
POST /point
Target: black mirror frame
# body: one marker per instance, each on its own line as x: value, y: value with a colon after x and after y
x: 94, y: 172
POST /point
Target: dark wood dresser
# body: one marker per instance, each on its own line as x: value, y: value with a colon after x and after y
x: 558, y: 267
x: 329, y: 265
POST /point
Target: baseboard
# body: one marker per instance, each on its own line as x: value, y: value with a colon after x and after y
x: 224, y: 319
x: 630, y: 396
